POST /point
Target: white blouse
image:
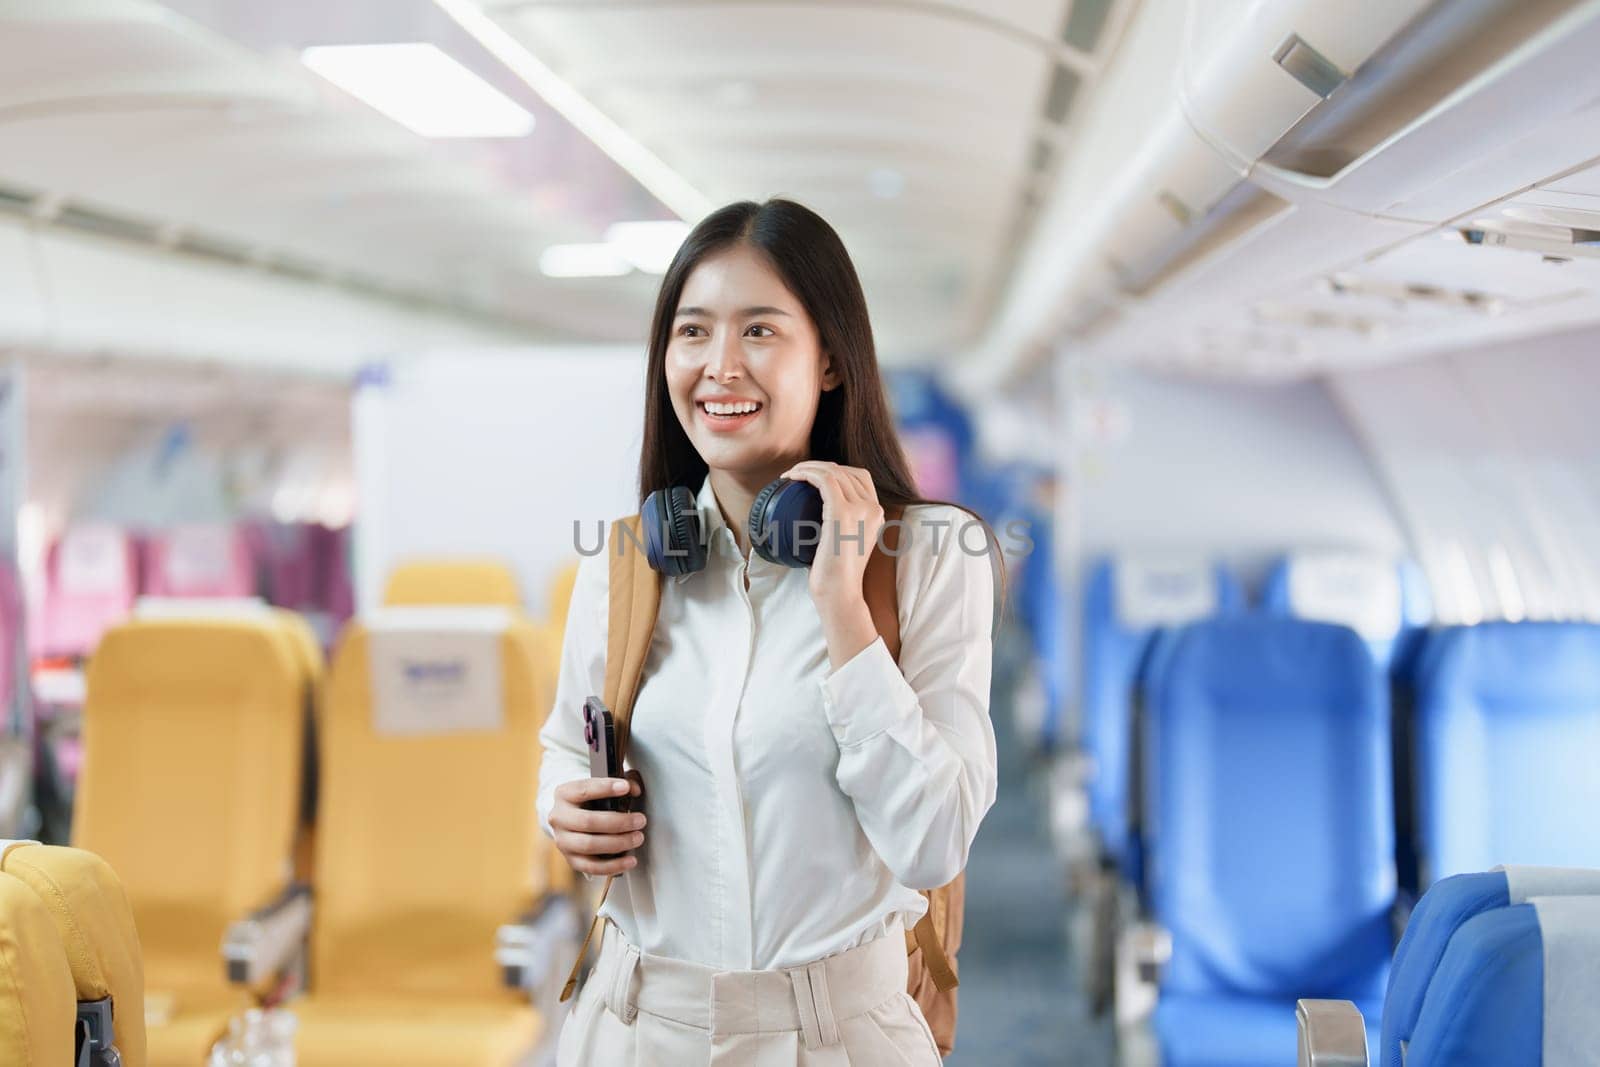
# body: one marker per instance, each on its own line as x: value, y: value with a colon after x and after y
x: 793, y: 812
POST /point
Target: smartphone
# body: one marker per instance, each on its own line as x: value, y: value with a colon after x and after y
x: 600, y: 734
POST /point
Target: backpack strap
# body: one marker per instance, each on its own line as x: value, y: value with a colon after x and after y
x: 881, y: 592
x: 634, y: 597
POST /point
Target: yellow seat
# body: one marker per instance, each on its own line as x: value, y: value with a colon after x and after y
x: 190, y: 789
x: 563, y: 879
x: 425, y: 843
x: 452, y: 581
x: 38, y: 1004
x: 95, y: 924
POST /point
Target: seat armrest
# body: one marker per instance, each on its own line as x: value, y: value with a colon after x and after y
x: 534, y: 948
x: 265, y: 944
x: 1332, y: 1034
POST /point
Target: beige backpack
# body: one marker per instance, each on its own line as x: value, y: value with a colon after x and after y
x: 635, y: 597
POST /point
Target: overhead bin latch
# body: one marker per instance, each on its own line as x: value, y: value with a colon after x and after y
x: 1308, y: 66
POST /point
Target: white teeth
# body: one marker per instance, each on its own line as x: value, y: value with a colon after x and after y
x: 743, y: 407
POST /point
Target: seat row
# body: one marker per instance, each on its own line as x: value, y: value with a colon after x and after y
x: 361, y: 838
x: 1260, y: 859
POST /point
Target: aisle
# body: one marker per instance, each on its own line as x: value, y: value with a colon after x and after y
x: 1018, y: 1005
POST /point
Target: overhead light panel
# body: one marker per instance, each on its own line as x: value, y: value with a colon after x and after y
x: 583, y: 261
x: 649, y: 246
x: 422, y: 88
x: 664, y: 183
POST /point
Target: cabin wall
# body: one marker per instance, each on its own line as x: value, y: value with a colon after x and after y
x: 1238, y: 472
x: 495, y: 454
x: 1493, y: 455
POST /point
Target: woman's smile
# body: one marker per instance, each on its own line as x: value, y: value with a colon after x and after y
x: 724, y: 414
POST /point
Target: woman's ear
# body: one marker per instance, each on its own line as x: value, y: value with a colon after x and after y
x: 830, y: 377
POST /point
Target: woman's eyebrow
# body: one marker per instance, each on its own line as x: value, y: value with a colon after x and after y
x: 706, y: 314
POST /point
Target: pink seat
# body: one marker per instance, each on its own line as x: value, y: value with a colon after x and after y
x: 91, y: 579
x: 211, y: 560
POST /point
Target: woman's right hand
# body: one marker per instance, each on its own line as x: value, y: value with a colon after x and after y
x: 583, y: 835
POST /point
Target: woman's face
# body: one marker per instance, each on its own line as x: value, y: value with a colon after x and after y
x: 745, y: 366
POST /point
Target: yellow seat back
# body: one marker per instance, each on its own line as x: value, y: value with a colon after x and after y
x: 38, y: 1005
x: 422, y: 582
x: 95, y: 924
x: 562, y: 877
x: 190, y: 787
x: 426, y: 840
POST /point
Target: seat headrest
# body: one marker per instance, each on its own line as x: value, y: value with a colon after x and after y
x: 1163, y: 593
x: 436, y: 670
x: 1355, y: 589
x: 95, y: 920
x: 178, y: 607
x: 202, y: 557
x: 453, y: 581
x: 1524, y: 883
x: 1569, y: 926
x: 93, y: 559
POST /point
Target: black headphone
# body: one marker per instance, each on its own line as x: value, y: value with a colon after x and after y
x: 785, y: 524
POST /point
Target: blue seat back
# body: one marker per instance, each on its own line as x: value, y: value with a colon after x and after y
x: 1126, y: 603
x: 1449, y: 905
x: 1507, y: 725
x: 1269, y: 817
x: 1516, y: 985
x: 1384, y: 600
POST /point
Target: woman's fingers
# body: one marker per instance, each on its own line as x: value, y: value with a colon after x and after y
x: 580, y: 791
x: 575, y: 844
x: 584, y: 821
x: 586, y: 865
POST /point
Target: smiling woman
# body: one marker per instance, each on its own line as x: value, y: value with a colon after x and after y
x: 762, y: 372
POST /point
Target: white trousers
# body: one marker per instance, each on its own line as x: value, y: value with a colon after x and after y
x: 637, y: 1010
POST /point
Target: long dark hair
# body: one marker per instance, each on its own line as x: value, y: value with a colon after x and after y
x: 854, y: 426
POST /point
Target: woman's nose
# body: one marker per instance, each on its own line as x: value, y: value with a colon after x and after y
x: 726, y: 358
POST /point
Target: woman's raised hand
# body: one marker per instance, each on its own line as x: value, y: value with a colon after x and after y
x: 852, y: 518
x: 583, y: 835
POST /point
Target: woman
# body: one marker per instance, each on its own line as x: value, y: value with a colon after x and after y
x: 802, y: 786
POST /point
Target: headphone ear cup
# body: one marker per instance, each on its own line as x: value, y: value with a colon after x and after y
x: 759, y: 529
x: 786, y: 522
x: 691, y: 552
x: 672, y: 532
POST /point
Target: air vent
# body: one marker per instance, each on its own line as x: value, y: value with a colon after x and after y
x: 104, y: 224
x: 1043, y: 152
x: 15, y: 201
x: 1402, y: 294
x: 213, y: 248
x: 1063, y: 91
x: 1086, y: 21
x: 298, y: 269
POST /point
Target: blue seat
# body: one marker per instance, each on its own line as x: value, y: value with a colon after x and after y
x: 1506, y: 725
x: 1384, y: 600
x: 1126, y: 603
x: 1449, y: 905
x: 1515, y: 985
x: 1269, y: 832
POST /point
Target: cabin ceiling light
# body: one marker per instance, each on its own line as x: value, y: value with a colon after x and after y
x: 649, y: 246
x: 421, y: 88
x: 664, y: 183
x: 583, y: 261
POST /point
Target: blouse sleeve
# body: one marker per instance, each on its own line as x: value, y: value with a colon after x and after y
x: 916, y: 745
x: 583, y: 673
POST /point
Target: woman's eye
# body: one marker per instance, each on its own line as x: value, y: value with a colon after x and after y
x: 768, y: 330
x: 689, y: 330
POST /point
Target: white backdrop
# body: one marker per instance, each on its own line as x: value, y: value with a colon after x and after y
x: 495, y: 453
